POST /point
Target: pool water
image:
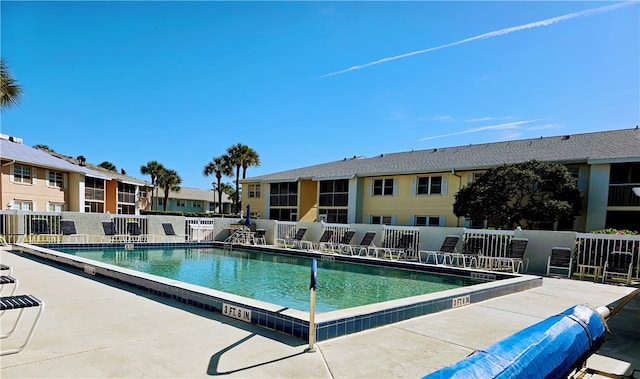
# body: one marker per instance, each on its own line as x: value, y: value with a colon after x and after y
x: 277, y: 279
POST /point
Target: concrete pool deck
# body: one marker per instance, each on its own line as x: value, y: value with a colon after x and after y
x: 92, y: 328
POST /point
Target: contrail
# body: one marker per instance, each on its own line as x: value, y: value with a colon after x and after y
x: 536, y: 24
x: 509, y: 125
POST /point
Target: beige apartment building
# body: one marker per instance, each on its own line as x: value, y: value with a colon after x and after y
x: 417, y: 188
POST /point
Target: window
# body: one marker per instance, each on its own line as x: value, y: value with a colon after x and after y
x: 283, y: 214
x: 143, y: 194
x: 335, y: 216
x: 54, y: 179
x: 22, y: 205
x: 381, y: 220
x: 21, y: 174
x: 429, y: 185
x: 254, y: 190
x: 93, y: 207
x: 181, y: 203
x: 126, y: 193
x: 126, y: 209
x: 383, y: 187
x: 196, y: 204
x: 55, y: 207
x: 284, y: 194
x: 334, y: 193
x: 160, y: 202
x: 93, y: 195
x: 427, y: 220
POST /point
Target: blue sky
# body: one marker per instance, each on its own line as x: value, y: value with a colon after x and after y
x: 311, y: 82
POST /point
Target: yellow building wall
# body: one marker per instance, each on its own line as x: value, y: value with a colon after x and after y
x: 404, y: 204
x: 76, y: 187
x: 307, y: 200
x: 258, y: 204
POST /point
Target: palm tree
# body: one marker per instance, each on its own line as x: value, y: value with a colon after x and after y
x: 240, y: 155
x: 169, y: 180
x: 218, y: 166
x: 251, y: 159
x: 10, y: 90
x: 152, y: 169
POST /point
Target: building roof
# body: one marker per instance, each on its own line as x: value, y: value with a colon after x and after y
x: 188, y: 193
x: 598, y: 147
x: 17, y: 151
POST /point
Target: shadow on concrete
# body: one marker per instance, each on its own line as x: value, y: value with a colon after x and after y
x: 215, y: 359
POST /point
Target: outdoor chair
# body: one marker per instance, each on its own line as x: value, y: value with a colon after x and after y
x: 618, y: 264
x: 365, y: 245
x: 20, y: 302
x: 40, y: 231
x: 324, y: 240
x: 345, y: 240
x: 6, y: 280
x: 402, y: 248
x: 295, y: 240
x: 111, y: 232
x: 259, y: 237
x: 170, y: 233
x: 4, y: 267
x: 561, y: 258
x: 448, y: 247
x: 515, y: 256
x: 135, y: 232
x: 472, y: 249
x: 69, y: 232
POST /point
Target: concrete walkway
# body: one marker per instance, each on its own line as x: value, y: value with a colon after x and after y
x: 95, y: 329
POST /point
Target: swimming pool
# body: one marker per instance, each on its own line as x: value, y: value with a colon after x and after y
x: 278, y: 279
x: 284, y: 319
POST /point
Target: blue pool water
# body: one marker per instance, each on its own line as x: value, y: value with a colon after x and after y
x: 277, y: 279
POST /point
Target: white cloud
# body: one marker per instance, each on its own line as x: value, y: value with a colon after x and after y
x: 531, y: 25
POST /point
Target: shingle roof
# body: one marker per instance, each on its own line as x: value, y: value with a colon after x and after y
x: 608, y: 146
x: 25, y: 154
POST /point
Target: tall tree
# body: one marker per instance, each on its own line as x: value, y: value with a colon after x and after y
x: 108, y: 166
x: 240, y: 155
x: 152, y: 168
x: 10, y: 90
x: 169, y: 180
x: 219, y: 166
x: 531, y: 192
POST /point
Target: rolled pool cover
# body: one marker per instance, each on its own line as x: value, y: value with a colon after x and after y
x: 551, y: 348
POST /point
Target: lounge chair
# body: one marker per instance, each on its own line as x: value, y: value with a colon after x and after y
x: 6, y: 280
x: 20, y: 302
x: 402, y: 248
x: 323, y: 242
x: 472, y: 249
x: 618, y: 264
x: 295, y: 240
x: 69, y: 231
x: 561, y: 258
x: 111, y: 232
x: 345, y: 240
x: 365, y: 244
x: 135, y: 233
x: 259, y: 237
x: 40, y: 231
x: 515, y: 256
x: 448, y: 248
x: 170, y: 232
x: 4, y: 267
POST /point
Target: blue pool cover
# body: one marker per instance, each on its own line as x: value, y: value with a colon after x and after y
x: 551, y: 348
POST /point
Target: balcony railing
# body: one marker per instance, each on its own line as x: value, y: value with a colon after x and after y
x: 622, y: 195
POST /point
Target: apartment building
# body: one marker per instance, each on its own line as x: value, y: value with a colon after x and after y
x: 418, y: 187
x: 36, y: 180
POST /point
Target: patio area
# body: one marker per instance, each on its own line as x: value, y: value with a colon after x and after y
x: 98, y: 329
